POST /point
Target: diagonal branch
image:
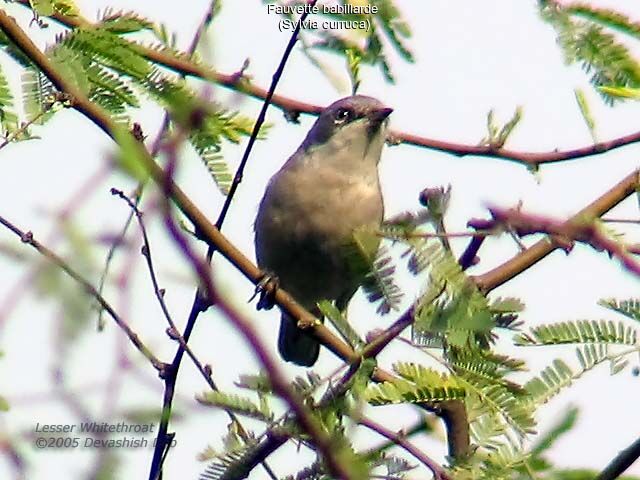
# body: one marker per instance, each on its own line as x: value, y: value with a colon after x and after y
x: 621, y: 462
x: 532, y: 255
x: 200, y: 303
x: 320, y: 437
x: 564, y: 234
x: 185, y: 66
x: 401, y: 440
x: 453, y: 414
x: 27, y: 237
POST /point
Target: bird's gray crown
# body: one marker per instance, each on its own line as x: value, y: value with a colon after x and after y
x: 357, y: 108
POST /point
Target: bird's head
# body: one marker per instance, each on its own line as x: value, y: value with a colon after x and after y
x: 357, y: 123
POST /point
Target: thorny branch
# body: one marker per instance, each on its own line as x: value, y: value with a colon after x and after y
x: 487, y: 281
x: 521, y: 262
x: 564, y: 234
x: 402, y: 441
x: 621, y: 462
x: 292, y: 107
x: 453, y: 414
x: 28, y: 238
x: 201, y: 303
x: 279, y: 382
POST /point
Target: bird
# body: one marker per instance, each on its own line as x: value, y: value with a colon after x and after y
x: 311, y: 207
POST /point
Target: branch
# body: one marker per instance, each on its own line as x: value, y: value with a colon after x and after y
x: 277, y: 379
x: 516, y: 265
x: 27, y: 237
x: 401, y: 441
x: 172, y: 331
x: 621, y: 462
x: 564, y: 234
x: 199, y: 303
x: 293, y: 107
x: 379, y: 342
x: 452, y: 413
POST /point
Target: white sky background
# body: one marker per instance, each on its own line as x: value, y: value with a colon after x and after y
x: 470, y: 57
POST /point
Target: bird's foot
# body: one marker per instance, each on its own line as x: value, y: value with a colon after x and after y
x: 266, y: 288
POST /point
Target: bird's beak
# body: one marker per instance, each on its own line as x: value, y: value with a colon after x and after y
x: 379, y: 115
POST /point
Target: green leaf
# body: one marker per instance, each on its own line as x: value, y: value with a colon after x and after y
x: 497, y: 136
x: 629, y: 308
x: 110, y: 91
x: 109, y: 50
x: 14, y: 52
x: 506, y: 305
x: 354, y: 58
x: 482, y: 368
x: 130, y: 154
x: 374, y: 263
x: 561, y: 427
x: 4, y: 404
x: 70, y: 65
x: 305, y: 386
x: 38, y: 96
x: 120, y: 22
x: 580, y: 331
x: 65, y: 7
x: 421, y: 375
x: 231, y: 465
x: 8, y: 116
x: 42, y: 7
x: 419, y: 384
x: 605, y: 17
x: 487, y: 430
x: 258, y: 383
x: 394, y: 27
x: 497, y: 399
x: 551, y: 380
x: 216, y: 125
x: 339, y: 321
x: 581, y: 99
x: 47, y: 8
x: 608, y: 61
x: 620, y: 92
x: 237, y: 404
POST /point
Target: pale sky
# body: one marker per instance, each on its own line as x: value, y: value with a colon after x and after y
x: 470, y: 57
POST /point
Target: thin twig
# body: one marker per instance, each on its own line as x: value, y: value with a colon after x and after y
x: 277, y: 380
x: 564, y: 234
x: 524, y: 260
x: 172, y: 331
x: 27, y: 237
x: 621, y: 220
x: 199, y: 303
x: 293, y: 107
x: 453, y: 413
x: 154, y: 150
x: 621, y: 462
x: 260, y: 120
x: 401, y: 441
x: 113, y: 248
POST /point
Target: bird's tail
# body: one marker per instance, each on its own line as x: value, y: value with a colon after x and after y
x: 296, y: 345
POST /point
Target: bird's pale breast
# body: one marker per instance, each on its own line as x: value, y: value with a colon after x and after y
x: 305, y: 223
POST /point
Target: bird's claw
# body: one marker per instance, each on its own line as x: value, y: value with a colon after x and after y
x: 266, y: 288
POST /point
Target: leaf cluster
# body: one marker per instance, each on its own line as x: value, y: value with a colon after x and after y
x: 112, y: 72
x: 586, y: 36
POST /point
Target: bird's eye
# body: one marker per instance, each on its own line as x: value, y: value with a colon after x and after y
x: 343, y: 115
